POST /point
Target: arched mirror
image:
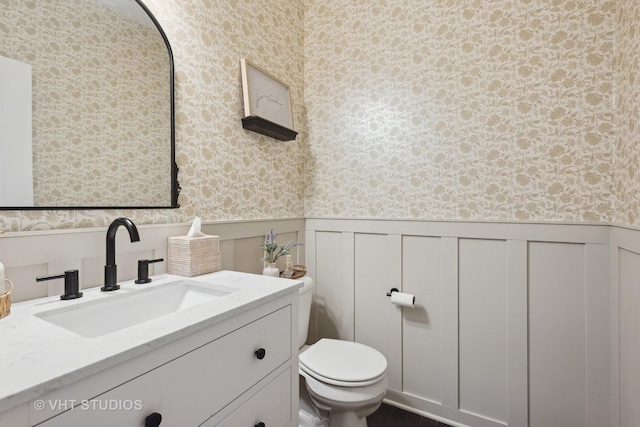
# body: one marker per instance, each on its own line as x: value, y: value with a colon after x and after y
x: 86, y: 106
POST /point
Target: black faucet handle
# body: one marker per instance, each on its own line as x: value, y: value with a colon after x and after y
x: 71, y: 283
x: 143, y: 269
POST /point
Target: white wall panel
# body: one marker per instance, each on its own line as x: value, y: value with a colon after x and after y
x: 377, y: 321
x: 483, y: 328
x: 450, y: 323
x: 629, y: 273
x: 249, y: 247
x: 329, y: 304
x: 348, y: 291
x: 512, y: 324
x: 557, y: 336
x: 422, y: 325
x: 598, y: 326
x: 517, y: 337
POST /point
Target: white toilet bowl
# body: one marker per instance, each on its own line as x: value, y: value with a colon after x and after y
x: 345, y: 381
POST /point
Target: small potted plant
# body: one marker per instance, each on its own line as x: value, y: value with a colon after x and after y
x: 272, y: 251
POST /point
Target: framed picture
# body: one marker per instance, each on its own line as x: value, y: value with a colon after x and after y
x: 267, y: 103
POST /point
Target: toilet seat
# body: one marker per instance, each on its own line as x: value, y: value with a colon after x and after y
x: 343, y: 363
x: 327, y: 396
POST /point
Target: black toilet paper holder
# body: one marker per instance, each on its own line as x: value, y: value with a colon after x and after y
x: 392, y: 291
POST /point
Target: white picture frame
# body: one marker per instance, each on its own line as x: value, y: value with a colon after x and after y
x: 265, y: 96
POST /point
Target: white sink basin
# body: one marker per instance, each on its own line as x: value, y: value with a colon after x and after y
x: 95, y: 318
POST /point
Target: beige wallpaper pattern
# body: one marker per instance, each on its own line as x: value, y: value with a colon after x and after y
x: 227, y: 172
x: 487, y: 110
x: 627, y: 144
x: 87, y: 125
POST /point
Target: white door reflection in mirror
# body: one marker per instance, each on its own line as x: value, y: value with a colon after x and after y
x: 16, y: 175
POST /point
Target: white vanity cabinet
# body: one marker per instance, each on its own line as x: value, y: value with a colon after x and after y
x: 241, y: 371
x: 270, y: 405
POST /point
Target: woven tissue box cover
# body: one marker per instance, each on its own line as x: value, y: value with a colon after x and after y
x: 193, y: 256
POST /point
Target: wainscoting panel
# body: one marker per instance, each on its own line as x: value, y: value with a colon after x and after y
x: 557, y: 335
x: 450, y: 323
x: 598, y: 356
x: 377, y: 321
x: 482, y: 302
x: 517, y: 335
x: 330, y: 306
x: 629, y: 270
x: 512, y: 322
x: 422, y: 325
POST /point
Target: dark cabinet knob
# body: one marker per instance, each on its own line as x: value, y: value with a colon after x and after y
x: 153, y: 420
x: 260, y: 424
x: 260, y: 353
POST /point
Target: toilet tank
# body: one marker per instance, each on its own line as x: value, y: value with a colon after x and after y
x: 304, y: 309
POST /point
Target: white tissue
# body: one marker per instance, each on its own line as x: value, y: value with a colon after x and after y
x: 405, y: 300
x: 194, y: 231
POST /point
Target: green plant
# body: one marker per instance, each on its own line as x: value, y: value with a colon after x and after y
x: 273, y: 250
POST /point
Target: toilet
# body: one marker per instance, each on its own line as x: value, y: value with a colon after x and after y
x: 341, y: 382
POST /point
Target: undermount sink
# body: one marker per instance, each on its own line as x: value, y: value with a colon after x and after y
x: 95, y: 318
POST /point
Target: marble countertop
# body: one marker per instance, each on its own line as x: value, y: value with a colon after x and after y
x: 37, y: 357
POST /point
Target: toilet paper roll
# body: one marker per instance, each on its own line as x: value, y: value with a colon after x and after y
x: 405, y: 300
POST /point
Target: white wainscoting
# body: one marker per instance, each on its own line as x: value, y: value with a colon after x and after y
x: 512, y: 322
x: 27, y: 255
x: 515, y: 324
x: 625, y: 329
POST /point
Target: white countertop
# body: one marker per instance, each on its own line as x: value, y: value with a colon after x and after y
x: 37, y: 357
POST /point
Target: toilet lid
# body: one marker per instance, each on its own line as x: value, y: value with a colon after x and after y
x: 343, y: 361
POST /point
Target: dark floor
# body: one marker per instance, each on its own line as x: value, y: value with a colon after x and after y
x: 389, y: 416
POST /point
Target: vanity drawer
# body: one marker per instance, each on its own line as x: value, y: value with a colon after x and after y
x: 271, y: 405
x: 188, y: 390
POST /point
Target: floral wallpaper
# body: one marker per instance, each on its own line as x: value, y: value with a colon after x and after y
x: 227, y: 172
x: 88, y: 124
x: 484, y: 110
x: 627, y: 123
x: 480, y: 110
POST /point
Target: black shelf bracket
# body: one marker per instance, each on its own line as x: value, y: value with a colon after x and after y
x: 268, y: 128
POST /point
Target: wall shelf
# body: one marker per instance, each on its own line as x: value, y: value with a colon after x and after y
x: 268, y: 128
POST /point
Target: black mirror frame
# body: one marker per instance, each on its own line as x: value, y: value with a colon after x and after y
x: 175, y: 185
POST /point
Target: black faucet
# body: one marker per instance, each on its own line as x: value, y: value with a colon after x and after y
x: 111, y: 269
